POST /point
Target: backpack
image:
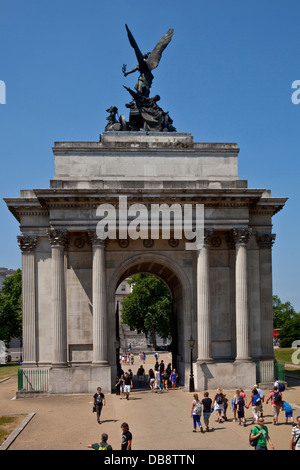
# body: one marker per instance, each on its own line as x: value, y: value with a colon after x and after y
x: 253, y: 441
x: 219, y: 399
x: 280, y: 387
x: 277, y: 397
x: 103, y: 446
x: 197, y: 408
x: 256, y: 400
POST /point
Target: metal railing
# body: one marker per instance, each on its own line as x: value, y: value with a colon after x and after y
x: 267, y: 370
x: 33, y: 380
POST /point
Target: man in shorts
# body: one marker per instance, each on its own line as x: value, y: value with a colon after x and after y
x: 276, y: 400
x: 127, y: 385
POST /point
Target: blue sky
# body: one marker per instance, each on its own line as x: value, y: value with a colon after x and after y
x: 225, y: 77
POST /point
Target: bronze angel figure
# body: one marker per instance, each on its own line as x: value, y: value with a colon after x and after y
x: 147, y: 62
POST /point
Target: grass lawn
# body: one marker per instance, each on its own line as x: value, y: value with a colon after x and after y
x: 8, y: 424
x: 285, y: 355
x: 9, y: 369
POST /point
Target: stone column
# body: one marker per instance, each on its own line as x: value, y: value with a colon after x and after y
x: 241, y: 238
x: 203, y: 302
x: 27, y: 245
x: 58, y: 240
x: 265, y: 242
x: 99, y: 301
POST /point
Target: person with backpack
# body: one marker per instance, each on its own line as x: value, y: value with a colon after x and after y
x: 259, y: 436
x: 276, y: 401
x: 196, y: 411
x: 219, y: 404
x: 103, y: 445
x: 262, y: 399
x: 255, y: 402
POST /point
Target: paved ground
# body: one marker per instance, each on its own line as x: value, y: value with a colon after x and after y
x: 157, y: 421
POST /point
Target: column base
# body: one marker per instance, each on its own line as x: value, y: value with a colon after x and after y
x: 59, y: 364
x: 100, y: 364
x: 239, y: 360
x: 29, y: 364
x: 206, y: 360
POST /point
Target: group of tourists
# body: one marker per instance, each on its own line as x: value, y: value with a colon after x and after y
x: 259, y: 434
x: 162, y: 376
x: 127, y: 358
x: 159, y: 378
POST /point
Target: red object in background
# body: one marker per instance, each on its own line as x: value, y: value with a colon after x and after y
x: 276, y: 332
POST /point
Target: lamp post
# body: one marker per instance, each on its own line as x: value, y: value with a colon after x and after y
x: 191, y: 344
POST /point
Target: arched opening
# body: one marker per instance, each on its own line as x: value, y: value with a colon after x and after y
x: 182, y: 318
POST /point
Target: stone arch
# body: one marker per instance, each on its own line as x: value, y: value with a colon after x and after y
x: 178, y: 283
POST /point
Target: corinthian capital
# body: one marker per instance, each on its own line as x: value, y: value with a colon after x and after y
x: 94, y: 240
x: 27, y: 242
x: 265, y: 240
x: 241, y: 235
x: 58, y: 237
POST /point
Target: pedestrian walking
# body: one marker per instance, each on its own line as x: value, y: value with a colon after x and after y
x: 234, y: 403
x: 157, y: 383
x: 151, y: 379
x: 262, y: 398
x: 121, y: 384
x: 99, y: 402
x: 165, y: 379
x: 255, y: 402
x: 206, y: 406
x: 276, y: 401
x: 295, y: 439
x: 126, y: 437
x: 261, y: 435
x: 174, y: 378
x: 241, y: 411
x: 219, y: 404
x: 127, y: 385
x: 196, y: 411
x: 225, y: 401
x: 103, y: 445
x: 141, y: 375
x: 286, y: 407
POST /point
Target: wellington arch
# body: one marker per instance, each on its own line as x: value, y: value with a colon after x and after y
x: 222, y: 291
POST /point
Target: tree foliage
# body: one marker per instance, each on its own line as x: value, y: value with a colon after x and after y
x: 288, y: 320
x: 11, y: 307
x: 148, y: 307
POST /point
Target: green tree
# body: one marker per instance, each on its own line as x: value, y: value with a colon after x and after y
x: 148, y: 307
x: 11, y: 308
x: 288, y: 320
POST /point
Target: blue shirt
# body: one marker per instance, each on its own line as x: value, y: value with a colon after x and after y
x: 287, y: 407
